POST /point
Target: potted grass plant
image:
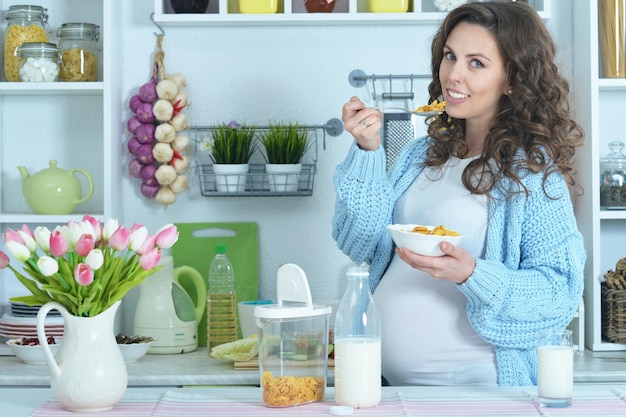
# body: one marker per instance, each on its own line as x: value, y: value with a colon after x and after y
x: 284, y: 147
x: 231, y: 148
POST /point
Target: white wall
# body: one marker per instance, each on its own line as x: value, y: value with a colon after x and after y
x: 289, y: 73
x: 292, y: 73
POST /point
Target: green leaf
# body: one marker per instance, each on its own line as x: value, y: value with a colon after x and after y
x: 285, y: 143
x: 29, y: 300
x: 233, y: 145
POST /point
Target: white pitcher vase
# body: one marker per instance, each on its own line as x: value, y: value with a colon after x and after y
x: 89, y: 373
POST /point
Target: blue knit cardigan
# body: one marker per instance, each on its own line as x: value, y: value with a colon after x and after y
x: 531, y: 278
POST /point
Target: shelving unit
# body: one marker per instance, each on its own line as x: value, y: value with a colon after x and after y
x: 78, y: 124
x: 257, y: 181
x: 599, y: 109
x: 226, y: 12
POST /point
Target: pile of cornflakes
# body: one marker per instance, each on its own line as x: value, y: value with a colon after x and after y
x: 290, y: 390
x: 440, y: 230
x: 434, y: 106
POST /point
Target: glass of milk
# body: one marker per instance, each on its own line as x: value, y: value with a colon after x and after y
x: 555, y: 368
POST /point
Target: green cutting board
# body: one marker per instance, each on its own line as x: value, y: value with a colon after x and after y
x: 196, y: 248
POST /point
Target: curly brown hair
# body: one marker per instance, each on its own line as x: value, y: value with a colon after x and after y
x: 534, y: 118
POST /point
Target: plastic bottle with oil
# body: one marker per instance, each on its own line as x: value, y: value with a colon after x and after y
x: 221, y: 305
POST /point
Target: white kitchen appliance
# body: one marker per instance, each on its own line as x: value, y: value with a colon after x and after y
x: 166, y: 312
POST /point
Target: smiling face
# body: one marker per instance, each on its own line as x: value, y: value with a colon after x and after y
x: 472, y: 75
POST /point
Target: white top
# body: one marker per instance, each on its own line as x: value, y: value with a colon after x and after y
x: 427, y: 339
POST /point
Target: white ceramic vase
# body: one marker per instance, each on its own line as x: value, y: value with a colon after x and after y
x: 283, y: 177
x: 89, y: 373
x: 231, y: 178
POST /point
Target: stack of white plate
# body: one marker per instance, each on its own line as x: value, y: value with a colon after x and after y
x: 21, y: 321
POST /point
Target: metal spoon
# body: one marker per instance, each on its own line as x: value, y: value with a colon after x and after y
x: 419, y: 113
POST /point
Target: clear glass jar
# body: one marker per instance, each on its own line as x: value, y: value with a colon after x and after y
x: 24, y: 24
x: 78, y: 43
x: 39, y: 61
x: 613, y: 178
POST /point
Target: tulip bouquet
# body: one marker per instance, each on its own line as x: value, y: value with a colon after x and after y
x: 85, y: 266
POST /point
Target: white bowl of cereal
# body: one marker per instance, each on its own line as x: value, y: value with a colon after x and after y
x: 423, y: 239
x: 28, y: 349
x: 133, y: 348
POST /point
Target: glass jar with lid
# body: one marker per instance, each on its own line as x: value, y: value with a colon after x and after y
x: 293, y: 342
x: 80, y: 50
x: 613, y: 178
x: 25, y: 23
x: 39, y: 61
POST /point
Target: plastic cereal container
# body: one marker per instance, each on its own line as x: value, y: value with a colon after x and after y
x: 24, y: 24
x: 293, y: 343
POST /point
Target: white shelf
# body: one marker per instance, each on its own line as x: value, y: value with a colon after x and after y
x: 613, y: 215
x: 90, y: 88
x: 226, y: 12
x: 72, y: 122
x: 29, y: 218
x: 612, y: 84
x: 596, y: 99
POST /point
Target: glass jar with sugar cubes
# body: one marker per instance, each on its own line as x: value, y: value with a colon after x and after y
x: 39, y: 61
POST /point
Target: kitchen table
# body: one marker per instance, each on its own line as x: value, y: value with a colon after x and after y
x: 459, y: 401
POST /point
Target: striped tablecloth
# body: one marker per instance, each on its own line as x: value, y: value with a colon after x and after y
x: 247, y: 402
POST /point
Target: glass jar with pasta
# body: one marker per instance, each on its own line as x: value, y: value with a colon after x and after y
x: 25, y: 23
x: 80, y: 50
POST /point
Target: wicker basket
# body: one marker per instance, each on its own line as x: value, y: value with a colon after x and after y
x: 613, y: 314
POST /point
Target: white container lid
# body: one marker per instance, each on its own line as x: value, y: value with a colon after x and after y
x: 294, y: 297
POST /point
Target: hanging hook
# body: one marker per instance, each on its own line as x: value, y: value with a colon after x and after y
x: 157, y: 25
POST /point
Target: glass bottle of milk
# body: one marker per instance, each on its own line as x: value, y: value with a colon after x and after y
x: 357, y: 336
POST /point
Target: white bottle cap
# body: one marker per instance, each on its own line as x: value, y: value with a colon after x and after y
x: 341, y: 410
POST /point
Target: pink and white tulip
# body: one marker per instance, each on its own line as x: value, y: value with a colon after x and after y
x: 29, y: 241
x: 150, y: 259
x: 95, y: 259
x: 74, y: 232
x: 147, y: 245
x: 27, y: 230
x: 42, y: 237
x: 138, y: 235
x: 18, y: 250
x: 110, y: 226
x: 12, y: 236
x: 85, y: 244
x: 119, y: 239
x: 58, y: 245
x: 166, y: 236
x: 4, y: 260
x: 83, y: 274
x: 48, y: 265
x: 95, y: 224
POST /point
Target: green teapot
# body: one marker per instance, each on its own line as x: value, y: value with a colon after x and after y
x: 54, y: 190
